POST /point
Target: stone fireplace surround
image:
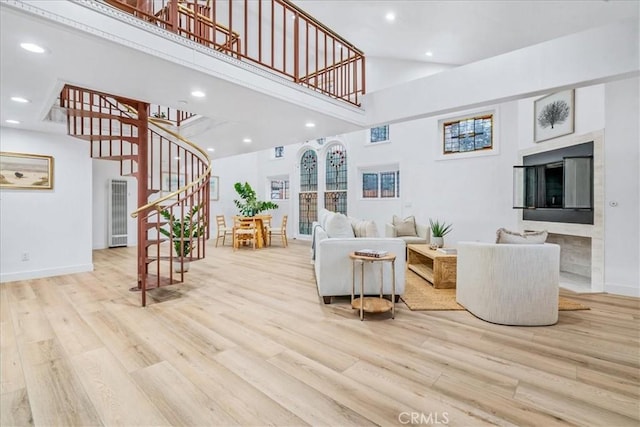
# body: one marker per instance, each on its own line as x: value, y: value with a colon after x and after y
x: 581, y: 245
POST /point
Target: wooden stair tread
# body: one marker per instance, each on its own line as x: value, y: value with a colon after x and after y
x: 151, y: 225
x: 150, y: 242
x: 100, y: 137
x: 95, y: 114
x: 122, y: 157
x: 152, y: 282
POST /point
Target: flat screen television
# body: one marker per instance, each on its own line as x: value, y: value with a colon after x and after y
x: 556, y: 185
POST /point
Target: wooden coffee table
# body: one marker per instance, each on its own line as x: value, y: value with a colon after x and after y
x: 436, y: 267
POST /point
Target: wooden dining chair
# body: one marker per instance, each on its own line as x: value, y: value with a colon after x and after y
x: 280, y: 231
x: 244, y: 230
x: 223, y: 230
x: 266, y: 225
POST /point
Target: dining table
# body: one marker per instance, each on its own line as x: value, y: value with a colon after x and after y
x: 260, y: 223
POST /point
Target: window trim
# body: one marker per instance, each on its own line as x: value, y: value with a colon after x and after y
x: 383, y: 141
x: 494, y: 151
x: 378, y: 171
x: 286, y: 190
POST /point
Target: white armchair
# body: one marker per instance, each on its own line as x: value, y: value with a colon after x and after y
x: 408, y: 230
x: 509, y: 284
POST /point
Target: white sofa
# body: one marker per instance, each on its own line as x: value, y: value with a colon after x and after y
x: 509, y: 284
x: 333, y: 267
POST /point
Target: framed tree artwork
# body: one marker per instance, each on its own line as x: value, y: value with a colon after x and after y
x: 554, y: 115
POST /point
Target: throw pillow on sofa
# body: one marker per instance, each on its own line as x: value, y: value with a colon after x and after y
x: 323, y: 216
x: 528, y: 237
x: 405, y: 227
x: 338, y: 225
x: 363, y: 228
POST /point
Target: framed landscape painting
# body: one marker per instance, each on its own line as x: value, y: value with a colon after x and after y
x: 26, y: 171
x: 553, y: 116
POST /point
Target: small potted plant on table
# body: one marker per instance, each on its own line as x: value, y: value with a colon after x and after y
x: 438, y: 231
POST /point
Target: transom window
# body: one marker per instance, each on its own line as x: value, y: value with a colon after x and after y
x: 379, y: 134
x: 381, y: 185
x: 470, y: 134
x: 278, y: 152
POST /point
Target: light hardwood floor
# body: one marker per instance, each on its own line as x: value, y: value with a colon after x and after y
x: 247, y: 341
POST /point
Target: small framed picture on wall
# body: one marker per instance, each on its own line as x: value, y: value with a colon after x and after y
x: 553, y: 116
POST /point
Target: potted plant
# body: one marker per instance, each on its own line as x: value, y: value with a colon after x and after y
x: 250, y: 205
x: 438, y: 231
x: 182, y: 232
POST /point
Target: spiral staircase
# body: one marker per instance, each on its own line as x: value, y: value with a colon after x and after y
x: 172, y: 178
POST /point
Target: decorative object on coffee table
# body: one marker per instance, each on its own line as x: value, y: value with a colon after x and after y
x: 438, y: 231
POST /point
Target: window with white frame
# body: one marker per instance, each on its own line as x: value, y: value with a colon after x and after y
x: 379, y: 134
x: 381, y: 183
x: 279, y: 189
x: 468, y: 134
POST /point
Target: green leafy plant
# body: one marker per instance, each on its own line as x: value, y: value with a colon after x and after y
x: 182, y: 230
x: 439, y: 229
x: 250, y: 205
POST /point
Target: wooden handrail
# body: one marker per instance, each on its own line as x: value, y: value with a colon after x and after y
x: 310, y: 18
x: 206, y: 18
x: 317, y: 49
x: 330, y: 68
x: 157, y: 202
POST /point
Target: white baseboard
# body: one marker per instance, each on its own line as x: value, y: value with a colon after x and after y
x: 629, y: 291
x: 38, y: 274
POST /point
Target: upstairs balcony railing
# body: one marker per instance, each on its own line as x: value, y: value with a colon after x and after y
x: 274, y: 34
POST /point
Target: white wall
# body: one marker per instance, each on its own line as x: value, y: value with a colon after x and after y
x: 473, y: 192
x: 52, y: 226
x: 387, y: 72
x: 622, y: 187
x: 230, y: 170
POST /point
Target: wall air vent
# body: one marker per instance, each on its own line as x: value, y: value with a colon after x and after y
x: 117, y: 206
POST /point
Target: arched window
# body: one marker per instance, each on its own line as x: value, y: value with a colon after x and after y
x: 308, y: 198
x: 335, y: 196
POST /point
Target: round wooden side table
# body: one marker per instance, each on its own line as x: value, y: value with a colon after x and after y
x: 373, y: 304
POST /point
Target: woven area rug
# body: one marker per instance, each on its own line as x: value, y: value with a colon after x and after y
x: 419, y: 295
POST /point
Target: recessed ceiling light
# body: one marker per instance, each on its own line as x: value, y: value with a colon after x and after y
x: 19, y: 99
x: 390, y: 16
x: 247, y: 140
x: 211, y: 149
x: 310, y: 125
x: 182, y: 102
x: 429, y: 53
x: 198, y: 94
x: 32, y: 47
x: 13, y: 122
